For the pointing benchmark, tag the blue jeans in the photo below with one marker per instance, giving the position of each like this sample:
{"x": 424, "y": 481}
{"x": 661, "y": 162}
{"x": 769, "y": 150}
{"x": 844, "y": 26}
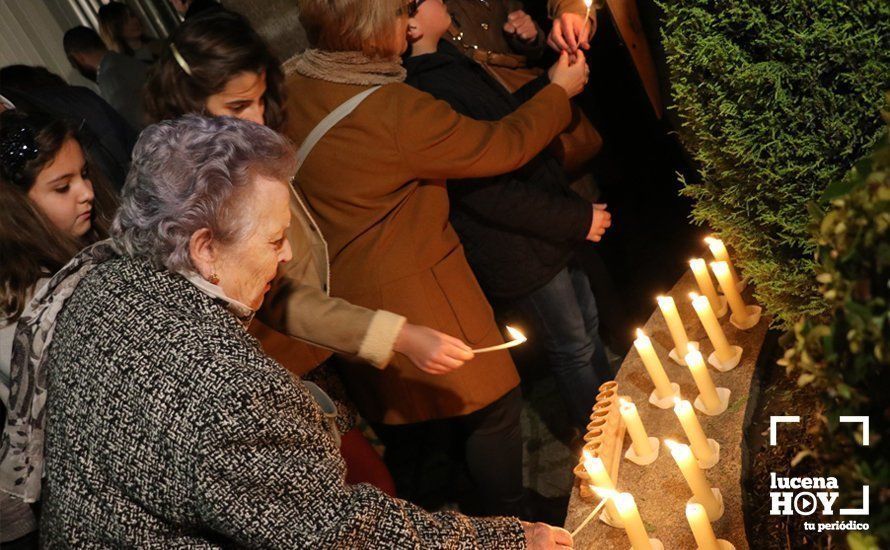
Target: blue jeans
{"x": 564, "y": 315}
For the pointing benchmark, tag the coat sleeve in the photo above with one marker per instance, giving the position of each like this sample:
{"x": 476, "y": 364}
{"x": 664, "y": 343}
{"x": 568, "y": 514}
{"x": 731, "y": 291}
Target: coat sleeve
{"x": 269, "y": 476}
{"x": 309, "y": 314}
{"x": 555, "y": 8}
{"x": 436, "y": 142}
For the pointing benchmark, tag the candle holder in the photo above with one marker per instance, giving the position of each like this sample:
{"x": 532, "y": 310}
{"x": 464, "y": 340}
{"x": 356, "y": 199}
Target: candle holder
{"x": 719, "y": 496}
{"x": 754, "y": 313}
{"x": 665, "y": 402}
{"x": 741, "y": 284}
{"x": 726, "y": 366}
{"x": 723, "y": 394}
{"x": 715, "y": 458}
{"x": 678, "y": 358}
{"x": 645, "y": 460}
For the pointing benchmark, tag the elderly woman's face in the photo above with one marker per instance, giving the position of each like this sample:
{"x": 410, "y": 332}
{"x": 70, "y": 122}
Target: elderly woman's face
{"x": 246, "y": 268}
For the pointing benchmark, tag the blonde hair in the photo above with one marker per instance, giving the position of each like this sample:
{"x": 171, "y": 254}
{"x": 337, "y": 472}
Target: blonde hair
{"x": 353, "y": 25}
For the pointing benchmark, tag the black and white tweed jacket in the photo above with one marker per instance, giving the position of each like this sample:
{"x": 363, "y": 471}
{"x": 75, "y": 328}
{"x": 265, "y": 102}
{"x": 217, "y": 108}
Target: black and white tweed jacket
{"x": 168, "y": 427}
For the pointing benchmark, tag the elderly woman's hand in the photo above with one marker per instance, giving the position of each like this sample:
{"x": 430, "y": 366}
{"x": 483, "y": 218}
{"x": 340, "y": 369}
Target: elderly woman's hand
{"x": 431, "y": 351}
{"x": 540, "y": 536}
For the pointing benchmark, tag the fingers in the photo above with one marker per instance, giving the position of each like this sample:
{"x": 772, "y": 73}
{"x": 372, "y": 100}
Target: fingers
{"x": 557, "y": 40}
{"x": 570, "y": 37}
{"x": 562, "y": 537}
{"x": 600, "y": 205}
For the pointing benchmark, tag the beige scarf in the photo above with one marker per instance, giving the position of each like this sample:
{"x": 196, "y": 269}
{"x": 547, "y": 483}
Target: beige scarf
{"x": 347, "y": 67}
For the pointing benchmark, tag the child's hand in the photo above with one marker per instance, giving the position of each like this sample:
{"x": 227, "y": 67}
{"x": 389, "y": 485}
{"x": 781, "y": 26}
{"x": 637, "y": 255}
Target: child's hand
{"x": 570, "y": 74}
{"x": 522, "y": 25}
{"x": 432, "y": 351}
{"x": 601, "y": 221}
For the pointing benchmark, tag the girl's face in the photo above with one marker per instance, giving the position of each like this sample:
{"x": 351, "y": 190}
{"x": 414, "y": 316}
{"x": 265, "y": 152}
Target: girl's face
{"x": 241, "y": 98}
{"x": 132, "y": 28}
{"x": 63, "y": 191}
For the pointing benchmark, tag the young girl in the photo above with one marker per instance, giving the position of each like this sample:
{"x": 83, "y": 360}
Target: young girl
{"x": 52, "y": 205}
{"x": 122, "y": 32}
{"x": 217, "y": 65}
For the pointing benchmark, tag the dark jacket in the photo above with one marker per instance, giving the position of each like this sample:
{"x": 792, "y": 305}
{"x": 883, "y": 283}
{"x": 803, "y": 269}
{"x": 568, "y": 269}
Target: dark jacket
{"x": 168, "y": 427}
{"x": 518, "y": 229}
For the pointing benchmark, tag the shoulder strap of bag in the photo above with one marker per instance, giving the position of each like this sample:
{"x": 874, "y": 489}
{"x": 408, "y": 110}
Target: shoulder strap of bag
{"x": 328, "y": 122}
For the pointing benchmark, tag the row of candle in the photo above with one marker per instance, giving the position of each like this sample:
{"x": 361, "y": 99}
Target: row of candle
{"x": 704, "y": 507}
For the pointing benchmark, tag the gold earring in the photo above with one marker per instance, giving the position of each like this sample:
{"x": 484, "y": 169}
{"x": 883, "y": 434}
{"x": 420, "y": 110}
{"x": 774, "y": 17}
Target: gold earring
{"x": 214, "y": 279}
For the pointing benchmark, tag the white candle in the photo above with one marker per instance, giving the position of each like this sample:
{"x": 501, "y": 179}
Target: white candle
{"x": 705, "y": 284}
{"x": 694, "y": 476}
{"x": 633, "y": 523}
{"x": 701, "y": 527}
{"x": 638, "y": 436}
{"x": 518, "y": 338}
{"x": 712, "y": 326}
{"x": 706, "y": 389}
{"x": 718, "y": 249}
{"x": 697, "y": 438}
{"x": 600, "y": 477}
{"x": 675, "y": 325}
{"x": 653, "y": 365}
{"x": 724, "y": 277}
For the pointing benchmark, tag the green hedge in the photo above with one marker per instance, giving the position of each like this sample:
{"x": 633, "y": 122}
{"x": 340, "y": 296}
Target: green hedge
{"x": 777, "y": 100}
{"x": 847, "y": 357}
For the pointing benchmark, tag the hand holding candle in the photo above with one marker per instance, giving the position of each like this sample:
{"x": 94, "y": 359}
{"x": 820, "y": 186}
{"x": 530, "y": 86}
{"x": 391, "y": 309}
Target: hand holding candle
{"x": 518, "y": 338}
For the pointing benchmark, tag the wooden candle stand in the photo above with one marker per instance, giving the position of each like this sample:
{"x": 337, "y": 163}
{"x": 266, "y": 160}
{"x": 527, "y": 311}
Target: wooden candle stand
{"x": 604, "y": 439}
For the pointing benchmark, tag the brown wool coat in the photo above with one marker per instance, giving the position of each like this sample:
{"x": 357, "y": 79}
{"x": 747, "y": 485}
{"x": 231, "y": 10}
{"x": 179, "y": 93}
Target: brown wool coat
{"x": 391, "y": 246}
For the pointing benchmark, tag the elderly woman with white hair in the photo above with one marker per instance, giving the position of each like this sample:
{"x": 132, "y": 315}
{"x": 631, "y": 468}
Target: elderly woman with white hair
{"x": 166, "y": 425}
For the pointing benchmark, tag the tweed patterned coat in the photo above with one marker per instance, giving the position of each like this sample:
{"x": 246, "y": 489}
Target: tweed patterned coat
{"x": 168, "y": 427}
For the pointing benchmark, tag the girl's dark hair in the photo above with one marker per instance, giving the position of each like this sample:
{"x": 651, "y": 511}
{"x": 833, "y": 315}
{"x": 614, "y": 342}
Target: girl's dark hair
{"x": 112, "y": 18}
{"x": 215, "y": 47}
{"x": 30, "y": 245}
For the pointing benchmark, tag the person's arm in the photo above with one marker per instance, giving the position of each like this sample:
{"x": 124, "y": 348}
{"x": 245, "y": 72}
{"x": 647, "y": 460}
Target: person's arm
{"x": 436, "y": 142}
{"x": 267, "y": 475}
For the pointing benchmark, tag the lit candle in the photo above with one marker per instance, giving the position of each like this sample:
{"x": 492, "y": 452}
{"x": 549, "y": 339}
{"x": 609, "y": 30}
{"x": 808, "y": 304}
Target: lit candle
{"x": 706, "y": 389}
{"x": 705, "y": 284}
{"x": 718, "y": 249}
{"x": 638, "y": 435}
{"x": 675, "y": 325}
{"x": 700, "y": 446}
{"x": 633, "y": 523}
{"x": 587, "y": 4}
{"x": 600, "y": 477}
{"x": 701, "y": 527}
{"x": 518, "y": 338}
{"x": 724, "y": 277}
{"x": 653, "y": 365}
{"x": 715, "y": 333}
{"x": 695, "y": 478}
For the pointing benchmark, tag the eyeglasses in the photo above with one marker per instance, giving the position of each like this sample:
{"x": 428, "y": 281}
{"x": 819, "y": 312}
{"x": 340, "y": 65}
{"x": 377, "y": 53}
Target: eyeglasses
{"x": 410, "y": 8}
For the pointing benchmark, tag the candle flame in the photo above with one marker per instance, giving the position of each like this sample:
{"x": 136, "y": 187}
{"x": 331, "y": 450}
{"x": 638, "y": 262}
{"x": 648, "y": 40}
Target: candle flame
{"x": 693, "y": 295}
{"x": 624, "y": 402}
{"x": 516, "y": 335}
{"x": 624, "y": 501}
{"x": 673, "y": 445}
{"x": 641, "y": 334}
{"x": 694, "y": 508}
{"x": 677, "y": 400}
{"x": 690, "y": 347}
{"x": 697, "y": 263}
{"x": 710, "y": 239}
{"x": 588, "y": 3}
{"x": 604, "y": 492}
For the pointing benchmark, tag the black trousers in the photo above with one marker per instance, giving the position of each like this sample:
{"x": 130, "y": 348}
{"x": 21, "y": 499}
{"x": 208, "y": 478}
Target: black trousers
{"x": 491, "y": 439}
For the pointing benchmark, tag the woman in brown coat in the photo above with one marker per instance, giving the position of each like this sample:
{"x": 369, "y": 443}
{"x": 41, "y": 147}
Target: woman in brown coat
{"x": 374, "y": 182}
